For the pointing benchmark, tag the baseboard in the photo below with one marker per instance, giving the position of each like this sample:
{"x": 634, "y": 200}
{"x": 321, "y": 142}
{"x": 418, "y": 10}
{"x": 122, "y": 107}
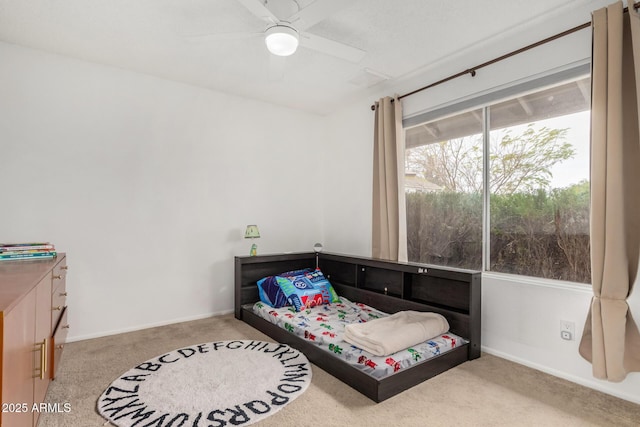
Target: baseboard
{"x": 556, "y": 373}
{"x": 147, "y": 326}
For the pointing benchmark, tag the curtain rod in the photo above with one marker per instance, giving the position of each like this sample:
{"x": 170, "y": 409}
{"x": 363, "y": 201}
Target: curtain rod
{"x": 472, "y": 70}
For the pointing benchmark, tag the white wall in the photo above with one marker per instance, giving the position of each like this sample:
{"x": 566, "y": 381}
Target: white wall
{"x": 348, "y": 156}
{"x": 520, "y": 317}
{"x": 521, "y": 322}
{"x": 148, "y": 185}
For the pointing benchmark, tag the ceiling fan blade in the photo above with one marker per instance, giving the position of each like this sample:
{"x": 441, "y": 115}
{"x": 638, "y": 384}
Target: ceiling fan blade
{"x": 339, "y": 50}
{"x": 277, "y": 65}
{"x": 258, "y": 8}
{"x": 223, "y": 36}
{"x": 317, "y": 11}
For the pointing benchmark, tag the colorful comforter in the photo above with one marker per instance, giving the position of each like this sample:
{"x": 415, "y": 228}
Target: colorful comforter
{"x": 324, "y": 325}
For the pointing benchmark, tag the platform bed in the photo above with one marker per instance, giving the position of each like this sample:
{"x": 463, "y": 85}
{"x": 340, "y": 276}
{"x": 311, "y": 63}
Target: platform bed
{"x": 387, "y": 286}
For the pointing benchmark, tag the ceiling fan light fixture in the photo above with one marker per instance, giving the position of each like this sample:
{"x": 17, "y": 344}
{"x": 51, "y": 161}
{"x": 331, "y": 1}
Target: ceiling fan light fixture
{"x": 281, "y": 40}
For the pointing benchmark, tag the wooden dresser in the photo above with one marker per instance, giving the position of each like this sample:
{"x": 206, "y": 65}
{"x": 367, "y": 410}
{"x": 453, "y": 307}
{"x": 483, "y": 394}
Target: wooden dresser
{"x": 33, "y": 329}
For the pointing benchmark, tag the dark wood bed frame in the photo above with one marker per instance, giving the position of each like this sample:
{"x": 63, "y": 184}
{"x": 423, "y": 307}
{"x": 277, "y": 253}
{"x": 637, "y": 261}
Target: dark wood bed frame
{"x": 386, "y": 285}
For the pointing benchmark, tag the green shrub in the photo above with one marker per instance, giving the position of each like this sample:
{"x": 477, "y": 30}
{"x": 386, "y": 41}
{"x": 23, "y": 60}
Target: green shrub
{"x": 540, "y": 233}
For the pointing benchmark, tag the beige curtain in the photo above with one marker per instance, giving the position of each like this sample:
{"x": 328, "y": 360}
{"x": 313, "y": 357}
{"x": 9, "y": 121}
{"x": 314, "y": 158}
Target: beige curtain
{"x": 389, "y": 235}
{"x": 611, "y": 341}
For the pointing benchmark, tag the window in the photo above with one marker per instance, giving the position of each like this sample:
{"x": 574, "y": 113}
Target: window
{"x": 443, "y": 182}
{"x": 504, "y": 187}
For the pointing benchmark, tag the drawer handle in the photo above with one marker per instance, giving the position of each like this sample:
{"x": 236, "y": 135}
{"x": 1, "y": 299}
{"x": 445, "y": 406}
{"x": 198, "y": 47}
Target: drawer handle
{"x": 58, "y": 277}
{"x": 58, "y": 308}
{"x": 64, "y": 267}
{"x": 60, "y": 346}
{"x": 65, "y": 327}
{"x": 43, "y": 359}
{"x": 63, "y": 294}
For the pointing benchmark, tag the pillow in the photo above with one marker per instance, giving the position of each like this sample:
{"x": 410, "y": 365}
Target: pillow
{"x": 305, "y": 289}
{"x": 299, "y": 288}
{"x": 270, "y": 291}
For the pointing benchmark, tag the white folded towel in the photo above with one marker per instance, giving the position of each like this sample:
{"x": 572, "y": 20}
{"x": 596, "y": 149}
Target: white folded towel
{"x": 401, "y": 330}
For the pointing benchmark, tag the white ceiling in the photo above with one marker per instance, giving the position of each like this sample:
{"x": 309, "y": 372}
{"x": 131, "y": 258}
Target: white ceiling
{"x": 153, "y": 37}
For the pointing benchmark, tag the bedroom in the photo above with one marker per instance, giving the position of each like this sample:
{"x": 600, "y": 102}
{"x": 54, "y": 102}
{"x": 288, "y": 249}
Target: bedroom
{"x": 147, "y": 183}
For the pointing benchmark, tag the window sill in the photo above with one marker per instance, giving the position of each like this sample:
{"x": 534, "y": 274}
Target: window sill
{"x": 538, "y": 281}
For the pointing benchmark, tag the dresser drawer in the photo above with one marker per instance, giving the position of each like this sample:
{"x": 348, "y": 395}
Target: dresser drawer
{"x": 58, "y": 342}
{"x": 58, "y": 303}
{"x": 58, "y": 291}
{"x": 60, "y": 272}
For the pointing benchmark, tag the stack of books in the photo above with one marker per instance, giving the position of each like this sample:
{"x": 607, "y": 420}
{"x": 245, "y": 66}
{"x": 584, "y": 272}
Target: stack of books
{"x": 17, "y": 251}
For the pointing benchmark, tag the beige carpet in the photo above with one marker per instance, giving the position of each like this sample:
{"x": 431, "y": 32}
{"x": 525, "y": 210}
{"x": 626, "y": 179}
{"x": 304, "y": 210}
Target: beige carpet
{"x": 485, "y": 392}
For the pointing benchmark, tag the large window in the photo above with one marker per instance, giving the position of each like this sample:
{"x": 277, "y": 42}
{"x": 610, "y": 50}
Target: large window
{"x": 504, "y": 187}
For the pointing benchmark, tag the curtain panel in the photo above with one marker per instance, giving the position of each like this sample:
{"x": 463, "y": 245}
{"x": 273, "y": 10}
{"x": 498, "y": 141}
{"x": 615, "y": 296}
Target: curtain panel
{"x": 389, "y": 235}
{"x": 611, "y": 341}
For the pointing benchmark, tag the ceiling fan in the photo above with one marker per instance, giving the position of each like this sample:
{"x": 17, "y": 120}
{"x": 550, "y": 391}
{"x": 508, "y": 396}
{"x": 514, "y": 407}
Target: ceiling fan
{"x": 283, "y": 35}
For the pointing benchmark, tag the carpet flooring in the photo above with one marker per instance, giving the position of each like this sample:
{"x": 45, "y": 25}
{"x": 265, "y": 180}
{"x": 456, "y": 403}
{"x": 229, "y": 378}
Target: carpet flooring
{"x": 488, "y": 391}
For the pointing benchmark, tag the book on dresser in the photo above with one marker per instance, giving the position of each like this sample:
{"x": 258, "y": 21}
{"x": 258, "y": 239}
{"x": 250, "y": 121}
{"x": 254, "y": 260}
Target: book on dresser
{"x": 25, "y": 251}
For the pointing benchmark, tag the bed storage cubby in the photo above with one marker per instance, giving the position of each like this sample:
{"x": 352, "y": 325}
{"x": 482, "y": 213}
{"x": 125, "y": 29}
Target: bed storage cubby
{"x": 339, "y": 272}
{"x": 441, "y": 288}
{"x": 380, "y": 280}
{"x": 385, "y": 285}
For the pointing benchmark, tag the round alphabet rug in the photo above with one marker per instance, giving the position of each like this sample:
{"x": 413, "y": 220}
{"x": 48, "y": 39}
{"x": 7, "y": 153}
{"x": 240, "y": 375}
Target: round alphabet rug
{"x": 213, "y": 384}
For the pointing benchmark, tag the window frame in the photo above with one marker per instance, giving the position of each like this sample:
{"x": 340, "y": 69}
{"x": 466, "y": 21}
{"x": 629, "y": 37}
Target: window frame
{"x": 483, "y": 102}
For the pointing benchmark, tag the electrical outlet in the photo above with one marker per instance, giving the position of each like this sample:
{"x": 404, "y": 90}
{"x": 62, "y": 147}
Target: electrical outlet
{"x": 567, "y": 330}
